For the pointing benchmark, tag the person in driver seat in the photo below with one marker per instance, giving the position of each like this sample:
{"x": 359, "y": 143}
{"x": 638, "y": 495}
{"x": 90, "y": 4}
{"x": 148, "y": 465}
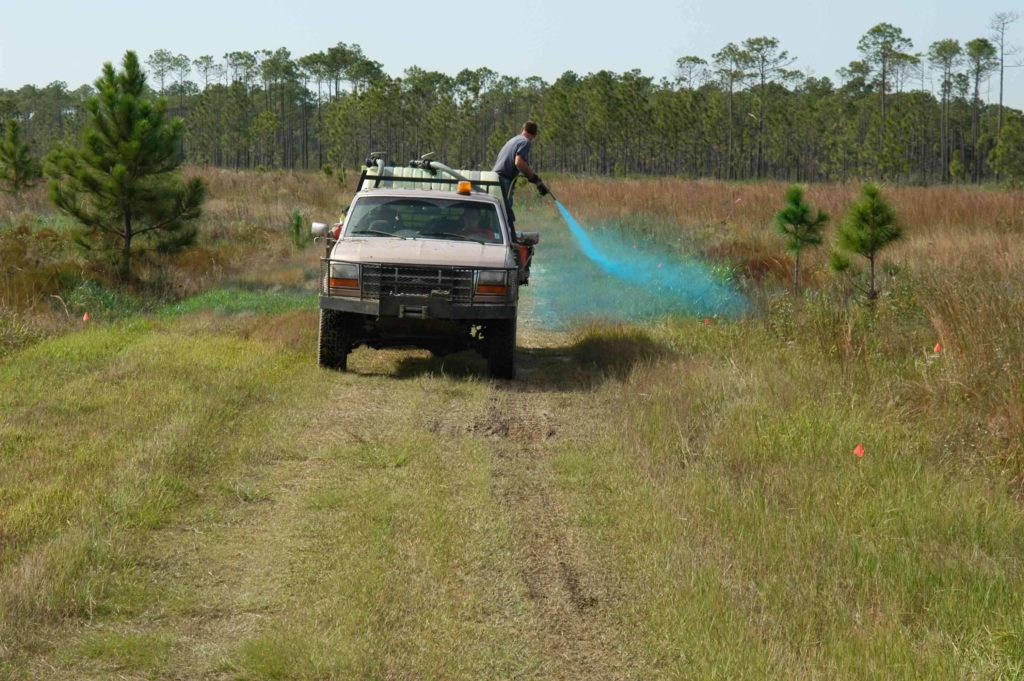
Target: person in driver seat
{"x": 472, "y": 226}
{"x": 383, "y": 219}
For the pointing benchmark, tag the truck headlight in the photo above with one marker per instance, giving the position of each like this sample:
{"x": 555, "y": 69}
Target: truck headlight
{"x": 491, "y": 283}
{"x": 343, "y": 275}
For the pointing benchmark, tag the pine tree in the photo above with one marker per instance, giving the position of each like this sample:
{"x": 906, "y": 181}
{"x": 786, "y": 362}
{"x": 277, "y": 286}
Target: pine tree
{"x": 869, "y": 227}
{"x": 800, "y": 225}
{"x": 18, "y": 170}
{"x": 982, "y": 59}
{"x": 122, "y": 184}
{"x": 945, "y": 55}
{"x": 1007, "y": 158}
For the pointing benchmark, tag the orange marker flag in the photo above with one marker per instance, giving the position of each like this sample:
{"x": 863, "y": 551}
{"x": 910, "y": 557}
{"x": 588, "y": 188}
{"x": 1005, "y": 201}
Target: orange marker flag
{"x": 859, "y": 449}
{"x": 938, "y": 348}
{"x": 85, "y": 317}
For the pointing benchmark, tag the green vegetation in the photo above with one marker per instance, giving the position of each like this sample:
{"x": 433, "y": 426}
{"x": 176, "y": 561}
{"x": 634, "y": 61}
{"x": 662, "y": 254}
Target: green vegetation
{"x": 230, "y": 300}
{"x": 298, "y": 230}
{"x": 869, "y": 227}
{"x": 800, "y": 227}
{"x": 18, "y": 169}
{"x": 121, "y": 183}
{"x": 1008, "y": 155}
{"x": 747, "y": 111}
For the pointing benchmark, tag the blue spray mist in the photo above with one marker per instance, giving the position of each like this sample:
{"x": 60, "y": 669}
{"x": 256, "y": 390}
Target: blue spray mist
{"x": 651, "y": 283}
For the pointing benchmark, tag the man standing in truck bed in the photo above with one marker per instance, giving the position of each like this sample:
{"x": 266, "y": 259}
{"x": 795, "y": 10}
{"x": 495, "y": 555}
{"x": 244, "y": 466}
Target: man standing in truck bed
{"x": 514, "y": 158}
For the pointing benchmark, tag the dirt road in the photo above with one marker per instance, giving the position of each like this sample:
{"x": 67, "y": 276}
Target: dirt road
{"x": 404, "y": 520}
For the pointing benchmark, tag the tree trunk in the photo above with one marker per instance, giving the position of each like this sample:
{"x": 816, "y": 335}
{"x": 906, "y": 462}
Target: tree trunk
{"x": 872, "y": 291}
{"x": 124, "y": 268}
{"x": 975, "y": 129}
{"x": 796, "y": 275}
{"x": 728, "y": 159}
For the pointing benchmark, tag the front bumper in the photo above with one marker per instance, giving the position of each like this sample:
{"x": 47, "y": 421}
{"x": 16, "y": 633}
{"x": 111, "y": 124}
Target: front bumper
{"x": 411, "y": 291}
{"x": 417, "y": 307}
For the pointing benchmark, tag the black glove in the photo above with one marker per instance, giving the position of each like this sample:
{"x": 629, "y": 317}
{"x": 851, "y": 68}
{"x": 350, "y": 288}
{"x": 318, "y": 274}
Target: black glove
{"x": 542, "y": 188}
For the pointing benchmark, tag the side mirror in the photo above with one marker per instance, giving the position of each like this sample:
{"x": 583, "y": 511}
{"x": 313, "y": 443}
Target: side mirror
{"x": 319, "y": 229}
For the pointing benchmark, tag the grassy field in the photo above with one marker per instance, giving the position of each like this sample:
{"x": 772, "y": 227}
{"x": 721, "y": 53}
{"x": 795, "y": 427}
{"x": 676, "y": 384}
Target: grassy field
{"x": 183, "y": 494}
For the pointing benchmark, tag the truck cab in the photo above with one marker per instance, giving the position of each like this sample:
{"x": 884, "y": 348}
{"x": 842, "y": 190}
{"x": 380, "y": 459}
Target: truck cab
{"x": 423, "y": 258}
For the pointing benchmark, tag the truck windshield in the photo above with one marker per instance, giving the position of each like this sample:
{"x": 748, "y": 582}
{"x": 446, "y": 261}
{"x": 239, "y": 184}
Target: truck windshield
{"x": 424, "y": 218}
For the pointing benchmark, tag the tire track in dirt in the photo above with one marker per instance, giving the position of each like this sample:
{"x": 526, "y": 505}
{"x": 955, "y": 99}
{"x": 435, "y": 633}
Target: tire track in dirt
{"x": 524, "y": 423}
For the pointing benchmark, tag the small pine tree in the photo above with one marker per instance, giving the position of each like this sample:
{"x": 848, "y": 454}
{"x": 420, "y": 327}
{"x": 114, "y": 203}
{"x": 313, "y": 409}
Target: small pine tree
{"x": 297, "y": 232}
{"x": 122, "y": 184}
{"x": 800, "y": 225}
{"x": 869, "y": 227}
{"x": 18, "y": 170}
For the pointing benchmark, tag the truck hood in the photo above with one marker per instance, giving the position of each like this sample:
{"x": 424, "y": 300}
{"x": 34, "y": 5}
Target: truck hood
{"x": 421, "y": 252}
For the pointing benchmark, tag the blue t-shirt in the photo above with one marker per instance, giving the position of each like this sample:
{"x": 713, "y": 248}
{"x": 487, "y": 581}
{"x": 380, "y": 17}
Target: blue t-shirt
{"x": 506, "y": 163}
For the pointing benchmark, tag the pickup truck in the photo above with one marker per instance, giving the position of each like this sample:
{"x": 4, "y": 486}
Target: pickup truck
{"x": 423, "y": 258}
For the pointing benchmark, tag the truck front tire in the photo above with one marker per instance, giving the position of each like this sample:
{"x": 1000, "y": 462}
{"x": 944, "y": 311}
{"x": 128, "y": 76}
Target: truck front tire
{"x": 501, "y": 348}
{"x": 335, "y": 340}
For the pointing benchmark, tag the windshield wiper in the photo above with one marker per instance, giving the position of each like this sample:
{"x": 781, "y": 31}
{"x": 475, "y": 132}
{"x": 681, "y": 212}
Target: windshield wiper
{"x": 378, "y": 233}
{"x": 453, "y": 236}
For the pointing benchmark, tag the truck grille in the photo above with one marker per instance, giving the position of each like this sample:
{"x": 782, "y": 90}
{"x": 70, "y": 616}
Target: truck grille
{"x": 403, "y": 280}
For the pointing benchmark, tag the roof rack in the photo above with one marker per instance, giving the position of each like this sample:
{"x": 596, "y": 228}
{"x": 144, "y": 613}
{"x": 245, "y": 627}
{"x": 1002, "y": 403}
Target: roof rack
{"x": 430, "y": 170}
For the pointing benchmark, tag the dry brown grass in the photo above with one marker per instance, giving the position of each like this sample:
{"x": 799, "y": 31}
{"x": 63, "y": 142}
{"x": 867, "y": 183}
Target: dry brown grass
{"x": 33, "y": 201}
{"x": 944, "y": 225}
{"x": 699, "y": 202}
{"x": 269, "y": 198}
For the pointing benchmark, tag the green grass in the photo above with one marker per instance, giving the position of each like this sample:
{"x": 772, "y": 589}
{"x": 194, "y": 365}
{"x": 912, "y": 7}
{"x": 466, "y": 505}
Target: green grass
{"x": 235, "y": 301}
{"x": 753, "y": 542}
{"x": 396, "y": 588}
{"x": 107, "y": 442}
{"x": 373, "y": 551}
{"x": 103, "y": 303}
{"x": 187, "y": 497}
{"x": 125, "y": 651}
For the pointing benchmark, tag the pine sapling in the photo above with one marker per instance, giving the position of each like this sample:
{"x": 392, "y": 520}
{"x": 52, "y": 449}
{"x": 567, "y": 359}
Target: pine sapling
{"x": 18, "y": 170}
{"x": 800, "y": 225}
{"x": 870, "y": 226}
{"x": 297, "y": 232}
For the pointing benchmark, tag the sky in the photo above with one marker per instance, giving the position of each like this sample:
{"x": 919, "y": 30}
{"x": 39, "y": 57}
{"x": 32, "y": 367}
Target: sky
{"x": 41, "y": 42}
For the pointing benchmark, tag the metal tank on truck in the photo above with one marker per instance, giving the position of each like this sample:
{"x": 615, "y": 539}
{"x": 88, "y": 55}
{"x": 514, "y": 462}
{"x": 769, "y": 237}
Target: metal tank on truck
{"x": 423, "y": 258}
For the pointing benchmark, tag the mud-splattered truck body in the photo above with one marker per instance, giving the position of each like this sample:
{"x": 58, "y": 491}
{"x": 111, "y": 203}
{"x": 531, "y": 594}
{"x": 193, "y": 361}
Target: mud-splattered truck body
{"x": 423, "y": 258}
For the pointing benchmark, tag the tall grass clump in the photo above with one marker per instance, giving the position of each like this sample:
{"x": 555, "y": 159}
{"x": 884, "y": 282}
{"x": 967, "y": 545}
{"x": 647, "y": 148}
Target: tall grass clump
{"x": 977, "y": 313}
{"x": 35, "y": 263}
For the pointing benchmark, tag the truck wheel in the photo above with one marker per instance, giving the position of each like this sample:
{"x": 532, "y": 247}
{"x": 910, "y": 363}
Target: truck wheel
{"x": 501, "y": 348}
{"x": 334, "y": 343}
